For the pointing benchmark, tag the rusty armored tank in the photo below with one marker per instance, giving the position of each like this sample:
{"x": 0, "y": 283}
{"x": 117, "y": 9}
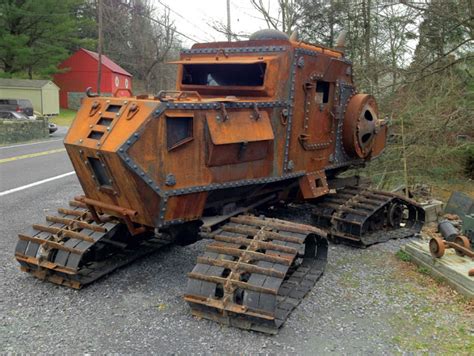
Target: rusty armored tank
{"x": 251, "y": 124}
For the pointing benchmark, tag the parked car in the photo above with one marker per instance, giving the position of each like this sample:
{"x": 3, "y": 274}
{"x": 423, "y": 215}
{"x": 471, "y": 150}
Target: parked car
{"x": 13, "y": 115}
{"x": 19, "y": 105}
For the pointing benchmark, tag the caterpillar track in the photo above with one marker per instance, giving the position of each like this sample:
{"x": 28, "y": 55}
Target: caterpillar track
{"x": 362, "y": 216}
{"x": 256, "y": 271}
{"x": 73, "y": 249}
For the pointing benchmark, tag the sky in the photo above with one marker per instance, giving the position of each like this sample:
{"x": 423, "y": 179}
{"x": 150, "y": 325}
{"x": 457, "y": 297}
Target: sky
{"x": 192, "y": 18}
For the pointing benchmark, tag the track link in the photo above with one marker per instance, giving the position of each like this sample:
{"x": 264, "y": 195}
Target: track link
{"x": 256, "y": 271}
{"x": 362, "y": 217}
{"x": 73, "y": 250}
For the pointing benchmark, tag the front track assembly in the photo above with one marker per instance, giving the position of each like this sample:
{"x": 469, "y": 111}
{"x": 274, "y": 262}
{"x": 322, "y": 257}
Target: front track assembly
{"x": 362, "y": 216}
{"x": 73, "y": 249}
{"x": 256, "y": 271}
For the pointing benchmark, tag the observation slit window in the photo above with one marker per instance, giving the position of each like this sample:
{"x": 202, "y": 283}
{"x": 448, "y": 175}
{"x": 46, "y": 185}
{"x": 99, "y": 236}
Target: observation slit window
{"x": 224, "y": 74}
{"x": 113, "y": 108}
{"x": 100, "y": 172}
{"x": 322, "y": 88}
{"x": 179, "y": 130}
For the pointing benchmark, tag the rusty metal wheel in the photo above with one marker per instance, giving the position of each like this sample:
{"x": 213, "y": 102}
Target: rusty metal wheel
{"x": 462, "y": 241}
{"x": 395, "y": 214}
{"x": 437, "y": 247}
{"x": 360, "y": 125}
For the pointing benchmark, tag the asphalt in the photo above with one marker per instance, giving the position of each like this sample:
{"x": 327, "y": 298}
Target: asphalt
{"x": 364, "y": 304}
{"x": 31, "y": 162}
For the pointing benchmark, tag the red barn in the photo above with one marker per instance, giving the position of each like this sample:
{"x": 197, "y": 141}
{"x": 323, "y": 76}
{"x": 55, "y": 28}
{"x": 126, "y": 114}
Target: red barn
{"x": 81, "y": 73}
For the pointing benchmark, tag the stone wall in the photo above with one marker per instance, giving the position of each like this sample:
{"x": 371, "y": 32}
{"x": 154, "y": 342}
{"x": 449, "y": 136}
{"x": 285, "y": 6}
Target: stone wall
{"x": 74, "y": 99}
{"x": 12, "y": 131}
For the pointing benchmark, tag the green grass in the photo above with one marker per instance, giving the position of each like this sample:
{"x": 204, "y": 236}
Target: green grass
{"x": 423, "y": 270}
{"x": 64, "y": 118}
{"x": 403, "y": 256}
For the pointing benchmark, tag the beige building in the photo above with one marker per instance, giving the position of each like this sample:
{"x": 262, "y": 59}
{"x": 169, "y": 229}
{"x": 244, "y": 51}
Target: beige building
{"x": 43, "y": 94}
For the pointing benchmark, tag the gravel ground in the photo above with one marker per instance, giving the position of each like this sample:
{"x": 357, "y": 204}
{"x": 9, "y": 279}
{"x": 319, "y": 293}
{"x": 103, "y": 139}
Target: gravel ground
{"x": 367, "y": 302}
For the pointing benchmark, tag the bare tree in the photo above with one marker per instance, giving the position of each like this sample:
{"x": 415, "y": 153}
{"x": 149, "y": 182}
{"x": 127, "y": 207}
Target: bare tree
{"x": 289, "y": 13}
{"x": 140, "y": 39}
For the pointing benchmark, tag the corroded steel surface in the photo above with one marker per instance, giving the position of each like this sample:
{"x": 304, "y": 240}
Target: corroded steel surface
{"x": 253, "y": 121}
{"x": 245, "y": 117}
{"x": 75, "y": 249}
{"x": 461, "y": 245}
{"x": 361, "y": 216}
{"x": 256, "y": 272}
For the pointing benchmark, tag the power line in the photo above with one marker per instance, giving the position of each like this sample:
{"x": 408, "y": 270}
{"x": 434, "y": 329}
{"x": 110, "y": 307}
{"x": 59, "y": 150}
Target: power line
{"x": 188, "y": 21}
{"x": 162, "y": 24}
{"x": 278, "y": 21}
{"x": 30, "y": 14}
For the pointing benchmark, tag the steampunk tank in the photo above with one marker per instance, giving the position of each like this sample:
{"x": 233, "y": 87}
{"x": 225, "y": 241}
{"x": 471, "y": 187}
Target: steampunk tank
{"x": 250, "y": 125}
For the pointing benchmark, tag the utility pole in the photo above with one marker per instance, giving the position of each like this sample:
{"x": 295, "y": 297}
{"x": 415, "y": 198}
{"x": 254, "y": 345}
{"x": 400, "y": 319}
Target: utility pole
{"x": 229, "y": 32}
{"x": 99, "y": 46}
{"x": 405, "y": 170}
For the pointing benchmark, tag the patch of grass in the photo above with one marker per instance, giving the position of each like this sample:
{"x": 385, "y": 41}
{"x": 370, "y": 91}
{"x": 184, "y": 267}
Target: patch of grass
{"x": 403, "y": 256}
{"x": 427, "y": 329}
{"x": 438, "y": 320}
{"x": 423, "y": 269}
{"x": 65, "y": 117}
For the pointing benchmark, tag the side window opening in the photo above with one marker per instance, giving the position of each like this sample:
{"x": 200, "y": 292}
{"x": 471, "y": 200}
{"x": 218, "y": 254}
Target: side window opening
{"x": 322, "y": 89}
{"x": 179, "y": 130}
{"x": 224, "y": 74}
{"x": 95, "y": 135}
{"x": 100, "y": 173}
{"x": 113, "y": 108}
{"x": 104, "y": 121}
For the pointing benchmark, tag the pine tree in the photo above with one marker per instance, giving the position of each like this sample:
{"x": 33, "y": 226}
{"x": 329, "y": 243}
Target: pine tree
{"x": 36, "y": 35}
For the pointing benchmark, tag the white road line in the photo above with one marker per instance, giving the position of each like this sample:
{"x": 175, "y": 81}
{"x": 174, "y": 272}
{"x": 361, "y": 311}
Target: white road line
{"x": 30, "y": 144}
{"x": 9, "y": 191}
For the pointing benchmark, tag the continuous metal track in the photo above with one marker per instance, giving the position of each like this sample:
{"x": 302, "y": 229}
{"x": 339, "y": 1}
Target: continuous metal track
{"x": 256, "y": 271}
{"x": 362, "y": 216}
{"x": 72, "y": 249}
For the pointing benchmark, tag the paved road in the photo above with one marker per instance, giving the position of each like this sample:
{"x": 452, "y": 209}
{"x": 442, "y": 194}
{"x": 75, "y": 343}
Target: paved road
{"x": 364, "y": 304}
{"x": 28, "y": 163}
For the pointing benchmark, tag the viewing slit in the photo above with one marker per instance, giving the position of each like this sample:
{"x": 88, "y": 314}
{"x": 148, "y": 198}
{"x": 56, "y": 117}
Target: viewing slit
{"x": 323, "y": 88}
{"x": 113, "y": 108}
{"x": 95, "y": 135}
{"x": 105, "y": 121}
{"x": 179, "y": 130}
{"x": 224, "y": 74}
{"x": 100, "y": 173}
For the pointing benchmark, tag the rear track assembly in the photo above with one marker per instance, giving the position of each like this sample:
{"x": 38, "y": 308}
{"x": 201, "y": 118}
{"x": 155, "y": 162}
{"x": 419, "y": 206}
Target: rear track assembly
{"x": 256, "y": 271}
{"x": 362, "y": 217}
{"x": 72, "y": 249}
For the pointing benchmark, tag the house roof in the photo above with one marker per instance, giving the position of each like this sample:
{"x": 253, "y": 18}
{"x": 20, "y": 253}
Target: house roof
{"x": 24, "y": 83}
{"x": 107, "y": 62}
